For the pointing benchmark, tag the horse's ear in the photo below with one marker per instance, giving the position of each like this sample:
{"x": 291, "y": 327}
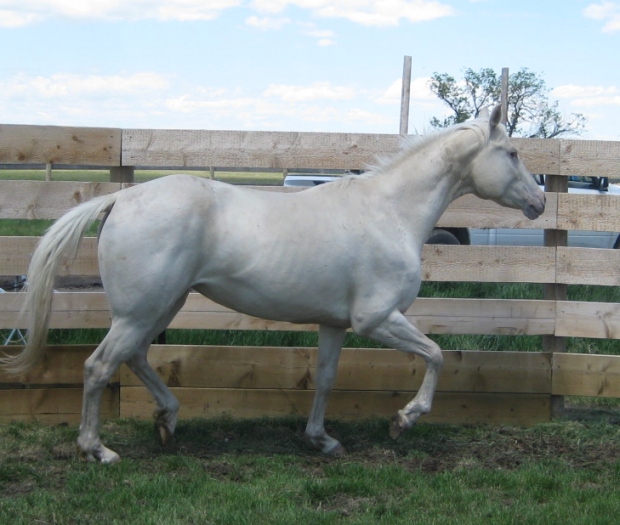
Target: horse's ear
{"x": 496, "y": 117}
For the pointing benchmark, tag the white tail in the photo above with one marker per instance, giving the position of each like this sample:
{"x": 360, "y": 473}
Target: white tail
{"x": 61, "y": 241}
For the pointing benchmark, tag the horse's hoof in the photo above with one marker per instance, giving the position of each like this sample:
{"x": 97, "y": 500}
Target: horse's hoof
{"x": 164, "y": 436}
{"x": 337, "y": 451}
{"x": 397, "y": 427}
{"x": 103, "y": 455}
{"x": 164, "y": 427}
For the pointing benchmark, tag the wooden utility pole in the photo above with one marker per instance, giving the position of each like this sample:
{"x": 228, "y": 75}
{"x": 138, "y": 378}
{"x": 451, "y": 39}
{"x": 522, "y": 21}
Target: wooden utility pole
{"x": 504, "y": 95}
{"x": 405, "y": 96}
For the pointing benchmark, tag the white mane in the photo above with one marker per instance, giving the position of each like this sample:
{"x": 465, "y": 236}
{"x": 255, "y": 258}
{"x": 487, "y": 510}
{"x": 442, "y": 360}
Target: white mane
{"x": 411, "y": 145}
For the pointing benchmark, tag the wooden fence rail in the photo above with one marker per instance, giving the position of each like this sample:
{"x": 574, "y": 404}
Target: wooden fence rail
{"x": 510, "y": 387}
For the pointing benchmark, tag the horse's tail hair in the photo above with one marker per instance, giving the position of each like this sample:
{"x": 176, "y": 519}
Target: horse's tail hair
{"x": 60, "y": 243}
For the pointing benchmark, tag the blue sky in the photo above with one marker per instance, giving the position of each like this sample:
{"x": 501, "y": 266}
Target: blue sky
{"x": 292, "y": 65}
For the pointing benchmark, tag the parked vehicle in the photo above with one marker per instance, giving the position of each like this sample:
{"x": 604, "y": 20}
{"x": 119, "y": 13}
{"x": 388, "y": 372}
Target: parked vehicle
{"x": 507, "y": 236}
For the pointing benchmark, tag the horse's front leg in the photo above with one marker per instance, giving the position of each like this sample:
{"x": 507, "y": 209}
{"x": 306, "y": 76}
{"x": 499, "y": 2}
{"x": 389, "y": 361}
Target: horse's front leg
{"x": 397, "y": 332}
{"x": 330, "y": 345}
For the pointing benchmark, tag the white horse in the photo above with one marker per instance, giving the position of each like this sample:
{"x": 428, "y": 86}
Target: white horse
{"x": 342, "y": 255}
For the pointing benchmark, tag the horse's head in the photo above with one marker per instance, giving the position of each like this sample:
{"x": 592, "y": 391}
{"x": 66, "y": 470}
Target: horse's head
{"x": 497, "y": 172}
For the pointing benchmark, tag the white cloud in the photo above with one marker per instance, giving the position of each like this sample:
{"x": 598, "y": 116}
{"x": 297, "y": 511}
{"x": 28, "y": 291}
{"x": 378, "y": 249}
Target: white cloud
{"x": 365, "y": 12}
{"x": 17, "y": 13}
{"x": 10, "y": 18}
{"x": 588, "y": 96}
{"x": 316, "y": 91}
{"x": 82, "y": 100}
{"x": 392, "y": 94}
{"x": 607, "y": 11}
{"x": 14, "y": 13}
{"x": 66, "y": 85}
{"x": 149, "y": 100}
{"x": 419, "y": 91}
{"x": 267, "y": 23}
{"x": 370, "y": 117}
{"x": 325, "y": 37}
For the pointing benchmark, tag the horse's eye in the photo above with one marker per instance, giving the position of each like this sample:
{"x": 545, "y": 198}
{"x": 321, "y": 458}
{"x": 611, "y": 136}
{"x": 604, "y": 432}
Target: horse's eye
{"x": 514, "y": 155}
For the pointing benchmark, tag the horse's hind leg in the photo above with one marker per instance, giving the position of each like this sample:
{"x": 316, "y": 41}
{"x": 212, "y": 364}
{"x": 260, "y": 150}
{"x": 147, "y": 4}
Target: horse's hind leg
{"x": 117, "y": 347}
{"x": 330, "y": 345}
{"x": 128, "y": 342}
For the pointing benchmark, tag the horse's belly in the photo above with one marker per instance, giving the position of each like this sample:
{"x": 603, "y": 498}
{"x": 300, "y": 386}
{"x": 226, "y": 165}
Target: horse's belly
{"x": 290, "y": 303}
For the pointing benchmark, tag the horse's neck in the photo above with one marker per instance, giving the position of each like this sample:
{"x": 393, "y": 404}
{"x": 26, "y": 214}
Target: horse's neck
{"x": 425, "y": 184}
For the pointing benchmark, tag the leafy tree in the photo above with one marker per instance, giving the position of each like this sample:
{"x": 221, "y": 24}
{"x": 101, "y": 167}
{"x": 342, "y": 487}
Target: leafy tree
{"x": 530, "y": 113}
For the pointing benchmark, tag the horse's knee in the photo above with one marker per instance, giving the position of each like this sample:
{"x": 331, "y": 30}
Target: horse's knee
{"x": 96, "y": 373}
{"x": 434, "y": 356}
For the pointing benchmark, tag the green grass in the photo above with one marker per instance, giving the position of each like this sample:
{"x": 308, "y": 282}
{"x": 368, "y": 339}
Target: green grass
{"x": 251, "y": 472}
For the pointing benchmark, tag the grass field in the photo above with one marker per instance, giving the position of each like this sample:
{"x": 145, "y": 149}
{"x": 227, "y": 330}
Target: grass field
{"x": 254, "y": 472}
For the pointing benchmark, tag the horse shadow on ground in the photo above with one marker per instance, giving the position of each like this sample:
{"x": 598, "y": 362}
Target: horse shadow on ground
{"x": 579, "y": 438}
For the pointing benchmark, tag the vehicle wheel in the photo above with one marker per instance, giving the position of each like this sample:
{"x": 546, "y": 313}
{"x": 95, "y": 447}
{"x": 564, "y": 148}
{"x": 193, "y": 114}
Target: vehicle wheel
{"x": 440, "y": 236}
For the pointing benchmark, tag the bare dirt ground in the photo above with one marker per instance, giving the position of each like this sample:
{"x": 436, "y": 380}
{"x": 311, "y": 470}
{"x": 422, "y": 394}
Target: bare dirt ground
{"x": 10, "y": 283}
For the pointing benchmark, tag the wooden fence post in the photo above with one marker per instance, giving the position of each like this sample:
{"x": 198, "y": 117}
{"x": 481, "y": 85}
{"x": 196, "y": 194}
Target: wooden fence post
{"x": 122, "y": 174}
{"x": 556, "y": 291}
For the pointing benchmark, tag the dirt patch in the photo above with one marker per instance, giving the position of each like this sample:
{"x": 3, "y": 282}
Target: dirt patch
{"x": 12, "y": 283}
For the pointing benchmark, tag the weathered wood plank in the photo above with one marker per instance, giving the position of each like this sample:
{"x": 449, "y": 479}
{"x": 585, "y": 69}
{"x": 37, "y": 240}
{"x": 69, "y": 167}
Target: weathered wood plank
{"x": 470, "y": 211}
{"x": 595, "y": 158}
{"x": 359, "y": 369}
{"x": 47, "y": 200}
{"x": 483, "y": 316}
{"x": 488, "y": 263}
{"x": 588, "y": 212}
{"x": 261, "y": 149}
{"x": 588, "y": 266}
{"x": 518, "y": 409}
{"x": 294, "y": 368}
{"x": 202, "y": 148}
{"x": 61, "y": 365}
{"x": 52, "y": 405}
{"x": 59, "y": 145}
{"x": 588, "y": 319}
{"x": 15, "y": 254}
{"x": 586, "y": 375}
{"x": 539, "y": 155}
{"x": 431, "y": 315}
{"x": 254, "y": 149}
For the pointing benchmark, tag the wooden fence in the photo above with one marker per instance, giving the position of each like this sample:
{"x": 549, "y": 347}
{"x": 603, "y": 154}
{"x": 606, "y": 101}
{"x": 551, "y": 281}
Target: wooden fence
{"x": 475, "y": 386}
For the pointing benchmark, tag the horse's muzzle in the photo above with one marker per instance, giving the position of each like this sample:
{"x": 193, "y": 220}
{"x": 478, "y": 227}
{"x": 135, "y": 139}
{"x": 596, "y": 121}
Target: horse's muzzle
{"x": 535, "y": 207}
